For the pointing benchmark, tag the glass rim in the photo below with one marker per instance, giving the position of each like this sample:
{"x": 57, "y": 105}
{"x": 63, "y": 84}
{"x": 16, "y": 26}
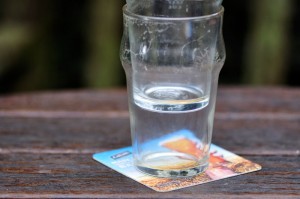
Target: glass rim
{"x": 145, "y": 17}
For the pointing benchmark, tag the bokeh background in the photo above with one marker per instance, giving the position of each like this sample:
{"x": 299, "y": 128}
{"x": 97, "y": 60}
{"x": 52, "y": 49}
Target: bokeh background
{"x": 56, "y": 44}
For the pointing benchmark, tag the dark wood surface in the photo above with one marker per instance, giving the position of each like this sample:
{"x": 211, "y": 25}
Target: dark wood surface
{"x": 47, "y": 140}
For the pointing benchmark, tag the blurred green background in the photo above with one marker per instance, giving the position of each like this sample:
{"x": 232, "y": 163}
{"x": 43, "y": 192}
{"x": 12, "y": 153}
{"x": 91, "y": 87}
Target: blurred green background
{"x": 55, "y": 44}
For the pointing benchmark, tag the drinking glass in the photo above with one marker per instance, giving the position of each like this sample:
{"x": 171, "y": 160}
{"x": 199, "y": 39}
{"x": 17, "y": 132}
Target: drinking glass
{"x": 172, "y": 58}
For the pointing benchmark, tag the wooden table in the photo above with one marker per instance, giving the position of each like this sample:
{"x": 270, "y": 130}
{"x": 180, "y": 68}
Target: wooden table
{"x": 47, "y": 140}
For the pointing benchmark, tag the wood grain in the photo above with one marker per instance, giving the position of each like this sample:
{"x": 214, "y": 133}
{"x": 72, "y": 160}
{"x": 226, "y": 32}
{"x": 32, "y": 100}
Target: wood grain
{"x": 230, "y": 99}
{"x": 78, "y": 174}
{"x": 88, "y": 135}
{"x": 47, "y": 139}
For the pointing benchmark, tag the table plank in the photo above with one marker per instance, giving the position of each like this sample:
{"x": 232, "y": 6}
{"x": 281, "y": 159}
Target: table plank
{"x": 230, "y": 99}
{"x": 259, "y": 99}
{"x": 75, "y": 175}
{"x": 85, "y": 100}
{"x": 88, "y": 135}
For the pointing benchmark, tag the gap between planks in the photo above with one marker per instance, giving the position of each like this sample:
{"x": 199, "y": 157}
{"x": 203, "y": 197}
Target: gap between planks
{"x": 251, "y": 152}
{"x": 153, "y": 194}
{"x": 125, "y": 114}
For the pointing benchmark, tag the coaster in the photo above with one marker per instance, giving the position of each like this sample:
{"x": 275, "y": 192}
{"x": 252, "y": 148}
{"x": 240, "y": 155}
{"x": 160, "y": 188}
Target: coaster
{"x": 222, "y": 164}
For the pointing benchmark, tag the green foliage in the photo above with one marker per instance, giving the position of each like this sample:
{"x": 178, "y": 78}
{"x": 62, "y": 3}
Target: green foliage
{"x": 104, "y": 31}
{"x": 267, "y": 43}
{"x": 54, "y": 44}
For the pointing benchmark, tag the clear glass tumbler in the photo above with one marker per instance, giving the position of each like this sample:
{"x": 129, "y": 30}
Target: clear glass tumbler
{"x": 172, "y": 62}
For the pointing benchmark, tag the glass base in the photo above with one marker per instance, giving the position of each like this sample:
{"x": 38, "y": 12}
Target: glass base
{"x": 171, "y": 165}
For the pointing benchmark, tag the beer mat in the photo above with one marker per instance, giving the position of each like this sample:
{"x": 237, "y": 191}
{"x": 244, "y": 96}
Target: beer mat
{"x": 222, "y": 163}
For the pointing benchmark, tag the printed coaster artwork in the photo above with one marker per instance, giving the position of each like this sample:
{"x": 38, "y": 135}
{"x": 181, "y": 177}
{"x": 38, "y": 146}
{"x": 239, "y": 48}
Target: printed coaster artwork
{"x": 222, "y": 163}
